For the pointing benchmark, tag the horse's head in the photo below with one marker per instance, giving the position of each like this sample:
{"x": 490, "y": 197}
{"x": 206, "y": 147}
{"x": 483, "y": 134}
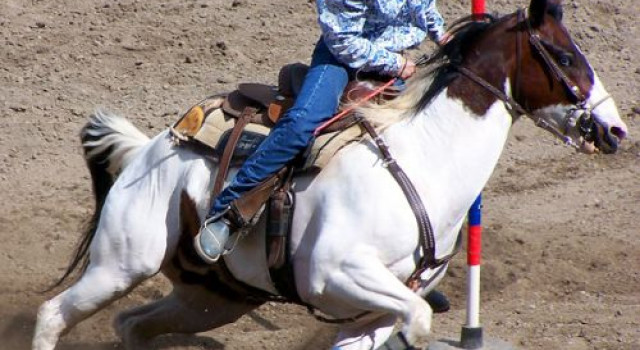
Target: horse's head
{"x": 555, "y": 83}
{"x": 532, "y": 64}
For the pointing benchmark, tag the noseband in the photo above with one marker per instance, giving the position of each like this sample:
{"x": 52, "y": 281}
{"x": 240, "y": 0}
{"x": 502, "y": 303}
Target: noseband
{"x": 581, "y": 112}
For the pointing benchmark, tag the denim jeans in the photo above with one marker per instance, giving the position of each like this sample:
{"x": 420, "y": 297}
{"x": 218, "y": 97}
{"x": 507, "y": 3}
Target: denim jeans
{"x": 316, "y": 103}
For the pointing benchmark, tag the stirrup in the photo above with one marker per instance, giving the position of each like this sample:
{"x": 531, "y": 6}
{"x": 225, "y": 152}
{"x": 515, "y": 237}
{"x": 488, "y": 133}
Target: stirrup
{"x": 211, "y": 241}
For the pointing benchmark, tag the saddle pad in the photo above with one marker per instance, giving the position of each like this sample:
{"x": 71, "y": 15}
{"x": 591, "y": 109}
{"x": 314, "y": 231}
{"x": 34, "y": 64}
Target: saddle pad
{"x": 327, "y": 145}
{"x": 214, "y": 131}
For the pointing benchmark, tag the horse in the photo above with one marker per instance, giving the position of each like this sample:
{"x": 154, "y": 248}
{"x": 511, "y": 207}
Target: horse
{"x": 354, "y": 238}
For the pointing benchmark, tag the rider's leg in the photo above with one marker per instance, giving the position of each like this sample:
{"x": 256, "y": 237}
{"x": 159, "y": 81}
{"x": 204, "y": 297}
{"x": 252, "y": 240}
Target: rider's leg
{"x": 317, "y": 102}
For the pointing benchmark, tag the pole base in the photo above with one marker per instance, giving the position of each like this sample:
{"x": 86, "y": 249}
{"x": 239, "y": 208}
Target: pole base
{"x": 471, "y": 338}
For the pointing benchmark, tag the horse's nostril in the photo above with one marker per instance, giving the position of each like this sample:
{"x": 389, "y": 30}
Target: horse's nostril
{"x": 618, "y": 132}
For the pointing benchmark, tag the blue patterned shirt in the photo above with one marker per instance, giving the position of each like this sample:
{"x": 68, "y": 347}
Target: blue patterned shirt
{"x": 369, "y": 34}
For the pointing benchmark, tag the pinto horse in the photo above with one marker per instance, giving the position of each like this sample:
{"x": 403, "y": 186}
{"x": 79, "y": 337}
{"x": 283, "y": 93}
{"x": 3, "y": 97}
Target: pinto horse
{"x": 354, "y": 237}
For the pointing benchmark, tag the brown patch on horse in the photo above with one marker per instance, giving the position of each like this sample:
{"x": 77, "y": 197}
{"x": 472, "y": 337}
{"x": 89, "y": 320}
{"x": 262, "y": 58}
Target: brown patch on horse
{"x": 189, "y": 219}
{"x": 540, "y": 86}
{"x": 489, "y": 56}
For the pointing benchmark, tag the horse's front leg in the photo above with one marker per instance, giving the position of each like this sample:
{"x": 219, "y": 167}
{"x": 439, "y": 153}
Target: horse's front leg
{"x": 362, "y": 281}
{"x": 368, "y": 333}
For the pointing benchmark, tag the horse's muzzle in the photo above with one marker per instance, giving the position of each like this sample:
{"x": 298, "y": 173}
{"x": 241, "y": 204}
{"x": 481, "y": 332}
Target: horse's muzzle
{"x": 606, "y": 139}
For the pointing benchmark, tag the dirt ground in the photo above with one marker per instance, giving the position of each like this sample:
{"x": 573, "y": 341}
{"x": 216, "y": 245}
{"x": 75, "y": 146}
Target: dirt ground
{"x": 561, "y": 249}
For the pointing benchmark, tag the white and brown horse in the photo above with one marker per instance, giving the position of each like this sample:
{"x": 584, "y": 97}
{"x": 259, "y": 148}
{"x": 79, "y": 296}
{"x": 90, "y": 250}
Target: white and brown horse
{"x": 354, "y": 237}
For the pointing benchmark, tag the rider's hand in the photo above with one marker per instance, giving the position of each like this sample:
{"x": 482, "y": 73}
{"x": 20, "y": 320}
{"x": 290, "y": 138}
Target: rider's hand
{"x": 446, "y": 37}
{"x": 408, "y": 68}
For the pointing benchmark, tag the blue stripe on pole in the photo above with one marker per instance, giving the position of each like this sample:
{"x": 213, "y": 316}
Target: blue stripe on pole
{"x": 475, "y": 212}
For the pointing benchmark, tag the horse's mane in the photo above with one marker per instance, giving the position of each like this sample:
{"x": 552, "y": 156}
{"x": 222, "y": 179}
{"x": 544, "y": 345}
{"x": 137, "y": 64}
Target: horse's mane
{"x": 436, "y": 75}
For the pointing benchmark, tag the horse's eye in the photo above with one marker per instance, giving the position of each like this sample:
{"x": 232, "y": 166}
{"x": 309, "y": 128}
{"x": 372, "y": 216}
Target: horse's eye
{"x": 565, "y": 61}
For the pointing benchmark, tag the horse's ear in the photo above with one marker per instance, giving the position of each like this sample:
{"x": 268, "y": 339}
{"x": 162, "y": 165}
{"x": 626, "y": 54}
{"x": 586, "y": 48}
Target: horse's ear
{"x": 555, "y": 9}
{"x": 537, "y": 10}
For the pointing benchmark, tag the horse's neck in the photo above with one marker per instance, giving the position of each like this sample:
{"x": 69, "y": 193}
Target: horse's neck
{"x": 449, "y": 153}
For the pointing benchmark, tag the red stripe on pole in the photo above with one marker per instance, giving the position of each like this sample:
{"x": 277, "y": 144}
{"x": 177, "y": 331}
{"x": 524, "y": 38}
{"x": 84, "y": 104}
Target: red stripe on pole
{"x": 474, "y": 250}
{"x": 477, "y": 8}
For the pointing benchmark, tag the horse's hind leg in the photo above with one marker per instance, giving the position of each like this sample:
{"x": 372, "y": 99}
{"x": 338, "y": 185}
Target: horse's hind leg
{"x": 188, "y": 309}
{"x": 123, "y": 253}
{"x": 98, "y": 287}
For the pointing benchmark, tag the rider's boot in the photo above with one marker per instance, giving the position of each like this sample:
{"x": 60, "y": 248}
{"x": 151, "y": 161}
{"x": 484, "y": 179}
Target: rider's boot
{"x": 213, "y": 239}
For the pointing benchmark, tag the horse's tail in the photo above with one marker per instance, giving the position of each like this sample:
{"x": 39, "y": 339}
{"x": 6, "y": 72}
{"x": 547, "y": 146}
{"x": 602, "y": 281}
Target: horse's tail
{"x": 109, "y": 143}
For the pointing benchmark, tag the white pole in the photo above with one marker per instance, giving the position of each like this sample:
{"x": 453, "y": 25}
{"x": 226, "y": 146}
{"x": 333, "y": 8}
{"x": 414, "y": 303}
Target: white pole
{"x": 473, "y": 296}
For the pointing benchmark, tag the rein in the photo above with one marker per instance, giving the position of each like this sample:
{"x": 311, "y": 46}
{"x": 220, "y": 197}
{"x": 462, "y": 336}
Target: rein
{"x": 353, "y": 106}
{"x": 512, "y": 105}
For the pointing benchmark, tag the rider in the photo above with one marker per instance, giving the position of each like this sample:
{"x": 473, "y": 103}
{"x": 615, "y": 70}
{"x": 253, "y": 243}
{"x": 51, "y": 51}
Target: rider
{"x": 357, "y": 35}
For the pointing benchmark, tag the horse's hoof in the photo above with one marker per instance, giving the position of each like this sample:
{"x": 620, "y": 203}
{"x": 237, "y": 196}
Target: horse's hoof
{"x": 438, "y": 301}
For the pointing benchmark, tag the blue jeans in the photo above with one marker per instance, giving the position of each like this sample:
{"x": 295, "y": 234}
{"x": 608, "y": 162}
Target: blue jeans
{"x": 317, "y": 102}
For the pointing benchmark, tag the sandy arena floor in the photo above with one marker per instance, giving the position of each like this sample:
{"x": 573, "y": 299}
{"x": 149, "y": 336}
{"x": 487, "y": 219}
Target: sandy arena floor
{"x": 562, "y": 255}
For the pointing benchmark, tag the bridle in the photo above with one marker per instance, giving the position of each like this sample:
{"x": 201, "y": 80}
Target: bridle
{"x": 581, "y": 112}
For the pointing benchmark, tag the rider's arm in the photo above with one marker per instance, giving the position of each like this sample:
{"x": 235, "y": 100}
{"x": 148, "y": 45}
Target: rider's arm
{"x": 343, "y": 23}
{"x": 429, "y": 18}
